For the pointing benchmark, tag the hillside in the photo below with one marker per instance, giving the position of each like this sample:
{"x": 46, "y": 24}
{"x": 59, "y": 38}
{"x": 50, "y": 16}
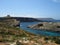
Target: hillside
{"x": 46, "y": 19}
{"x": 21, "y": 19}
{"x": 11, "y": 35}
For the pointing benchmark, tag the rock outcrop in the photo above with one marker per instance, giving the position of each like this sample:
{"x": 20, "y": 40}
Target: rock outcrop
{"x": 50, "y": 26}
{"x": 10, "y": 22}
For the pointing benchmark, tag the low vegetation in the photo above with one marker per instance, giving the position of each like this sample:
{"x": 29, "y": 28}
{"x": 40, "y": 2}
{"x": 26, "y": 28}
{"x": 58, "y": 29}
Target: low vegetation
{"x": 11, "y": 33}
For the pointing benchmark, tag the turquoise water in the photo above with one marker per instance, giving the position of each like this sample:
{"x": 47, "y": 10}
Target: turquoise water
{"x": 24, "y": 25}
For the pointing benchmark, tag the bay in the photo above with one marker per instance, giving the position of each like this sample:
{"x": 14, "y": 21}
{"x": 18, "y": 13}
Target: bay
{"x": 24, "y": 25}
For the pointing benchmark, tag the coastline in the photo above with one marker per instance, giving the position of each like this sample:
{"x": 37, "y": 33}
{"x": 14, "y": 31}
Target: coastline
{"x": 48, "y": 26}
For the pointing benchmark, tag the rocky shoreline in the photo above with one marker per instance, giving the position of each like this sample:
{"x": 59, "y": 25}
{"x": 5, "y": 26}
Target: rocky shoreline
{"x": 49, "y": 26}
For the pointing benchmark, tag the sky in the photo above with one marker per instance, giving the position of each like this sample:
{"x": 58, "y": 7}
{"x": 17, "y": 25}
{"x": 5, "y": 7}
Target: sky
{"x": 30, "y": 8}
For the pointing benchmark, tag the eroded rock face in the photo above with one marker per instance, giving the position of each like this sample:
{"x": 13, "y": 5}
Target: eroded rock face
{"x": 10, "y": 22}
{"x": 53, "y": 26}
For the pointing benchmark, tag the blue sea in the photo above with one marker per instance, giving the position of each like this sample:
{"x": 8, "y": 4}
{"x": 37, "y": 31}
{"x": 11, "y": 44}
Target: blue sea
{"x": 24, "y": 25}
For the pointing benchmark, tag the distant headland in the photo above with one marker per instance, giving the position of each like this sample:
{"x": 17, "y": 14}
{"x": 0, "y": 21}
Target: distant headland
{"x": 28, "y": 19}
{"x": 21, "y": 19}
